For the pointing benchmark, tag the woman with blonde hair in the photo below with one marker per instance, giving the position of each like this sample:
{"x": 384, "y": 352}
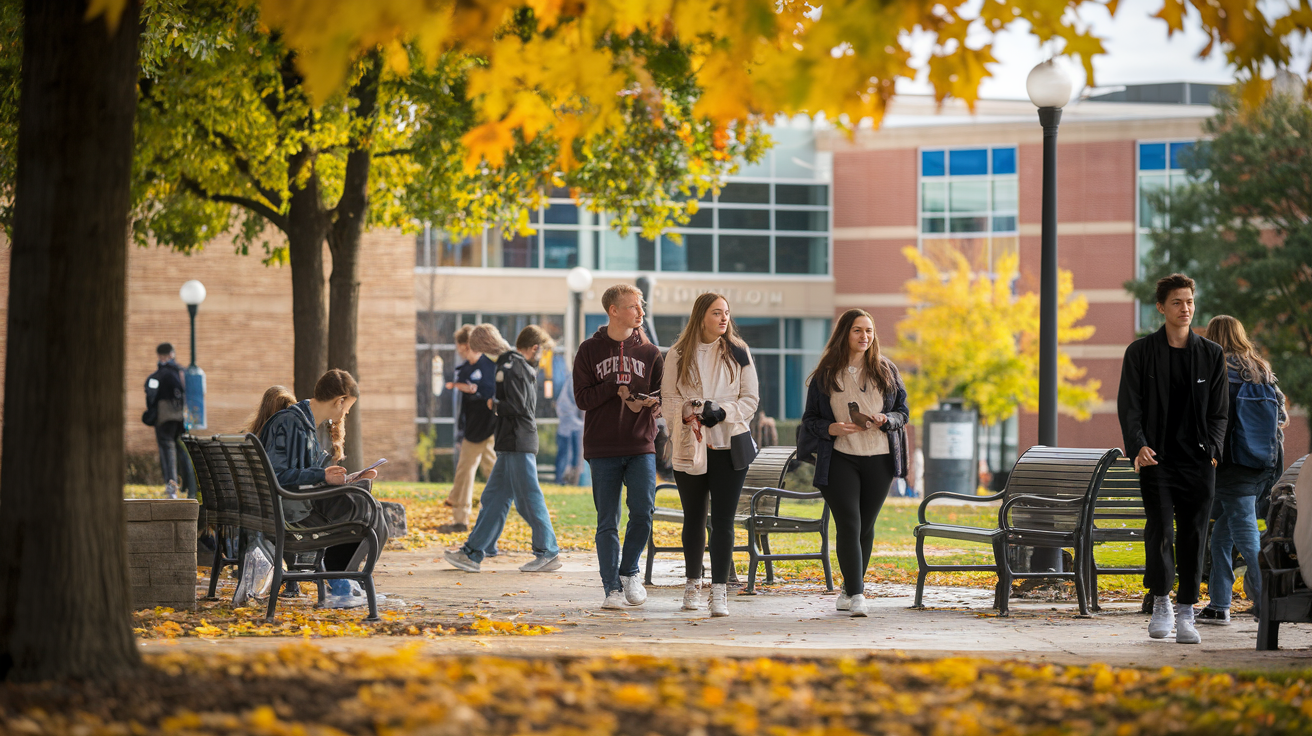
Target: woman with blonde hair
{"x": 709, "y": 399}
{"x": 1256, "y": 419}
{"x": 854, "y": 429}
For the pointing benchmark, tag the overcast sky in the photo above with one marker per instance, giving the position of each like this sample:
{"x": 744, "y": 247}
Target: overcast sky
{"x": 1137, "y": 51}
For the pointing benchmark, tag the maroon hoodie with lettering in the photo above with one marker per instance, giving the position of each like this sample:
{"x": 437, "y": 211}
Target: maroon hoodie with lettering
{"x": 602, "y": 365}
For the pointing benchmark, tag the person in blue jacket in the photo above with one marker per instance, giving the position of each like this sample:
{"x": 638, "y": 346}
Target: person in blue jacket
{"x": 854, "y": 430}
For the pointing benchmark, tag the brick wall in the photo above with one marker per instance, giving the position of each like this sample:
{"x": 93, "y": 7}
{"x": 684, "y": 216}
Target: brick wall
{"x": 161, "y": 538}
{"x": 244, "y": 337}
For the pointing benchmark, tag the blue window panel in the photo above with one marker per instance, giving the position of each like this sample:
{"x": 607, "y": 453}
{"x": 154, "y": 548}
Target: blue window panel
{"x": 1152, "y": 156}
{"x": 968, "y": 162}
{"x": 931, "y": 163}
{"x": 1004, "y": 160}
{"x": 1177, "y": 149}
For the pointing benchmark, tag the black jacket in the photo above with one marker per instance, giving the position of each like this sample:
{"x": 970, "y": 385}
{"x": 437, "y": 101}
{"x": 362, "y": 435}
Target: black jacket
{"x": 294, "y": 452}
{"x": 516, "y": 404}
{"x": 1145, "y": 390}
{"x": 815, "y": 444}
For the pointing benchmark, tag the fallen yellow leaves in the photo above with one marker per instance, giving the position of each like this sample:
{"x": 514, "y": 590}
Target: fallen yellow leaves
{"x": 217, "y": 622}
{"x": 304, "y": 689}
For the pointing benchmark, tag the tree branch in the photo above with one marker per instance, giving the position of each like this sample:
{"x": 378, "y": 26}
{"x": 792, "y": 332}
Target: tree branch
{"x": 274, "y": 217}
{"x": 241, "y": 163}
{"x": 395, "y": 152}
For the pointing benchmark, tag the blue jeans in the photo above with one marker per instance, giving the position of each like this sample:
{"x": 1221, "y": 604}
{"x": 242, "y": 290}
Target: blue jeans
{"x": 638, "y": 473}
{"x": 1235, "y": 528}
{"x": 514, "y": 479}
{"x": 569, "y": 449}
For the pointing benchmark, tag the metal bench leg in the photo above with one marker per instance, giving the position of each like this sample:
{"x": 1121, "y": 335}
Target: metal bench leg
{"x": 824, "y": 549}
{"x": 922, "y": 572}
{"x": 319, "y": 583}
{"x": 217, "y": 567}
{"x": 276, "y": 588}
{"x": 375, "y": 549}
{"x": 769, "y": 563}
{"x": 1268, "y": 629}
{"x": 1081, "y": 584}
{"x": 1003, "y": 598}
{"x": 753, "y": 560}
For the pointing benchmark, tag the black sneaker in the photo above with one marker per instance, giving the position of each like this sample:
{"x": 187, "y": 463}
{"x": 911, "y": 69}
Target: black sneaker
{"x": 1214, "y": 616}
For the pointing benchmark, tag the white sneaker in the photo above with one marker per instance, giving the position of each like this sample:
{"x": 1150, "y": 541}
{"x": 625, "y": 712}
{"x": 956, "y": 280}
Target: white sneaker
{"x": 691, "y": 591}
{"x": 614, "y": 600}
{"x": 1159, "y": 627}
{"x": 858, "y": 606}
{"x": 541, "y": 564}
{"x": 634, "y": 593}
{"x": 719, "y": 599}
{"x": 844, "y": 601}
{"x": 1185, "y": 633}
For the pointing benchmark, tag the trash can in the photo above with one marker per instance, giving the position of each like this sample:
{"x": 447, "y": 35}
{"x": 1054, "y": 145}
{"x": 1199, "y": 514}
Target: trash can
{"x": 951, "y": 449}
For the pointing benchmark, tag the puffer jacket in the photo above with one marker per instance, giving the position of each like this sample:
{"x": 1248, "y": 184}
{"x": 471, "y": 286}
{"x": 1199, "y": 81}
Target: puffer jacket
{"x": 294, "y": 452}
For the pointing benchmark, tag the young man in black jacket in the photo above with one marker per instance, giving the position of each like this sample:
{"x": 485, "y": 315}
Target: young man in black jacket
{"x": 514, "y": 477}
{"x": 1173, "y": 406}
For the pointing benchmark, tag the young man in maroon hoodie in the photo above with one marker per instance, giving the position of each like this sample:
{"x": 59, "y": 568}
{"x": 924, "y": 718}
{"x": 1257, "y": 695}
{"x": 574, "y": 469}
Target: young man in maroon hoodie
{"x": 617, "y": 379}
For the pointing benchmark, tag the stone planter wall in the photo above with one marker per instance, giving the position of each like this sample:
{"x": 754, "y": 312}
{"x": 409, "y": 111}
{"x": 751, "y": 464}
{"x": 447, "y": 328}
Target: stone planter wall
{"x": 162, "y": 552}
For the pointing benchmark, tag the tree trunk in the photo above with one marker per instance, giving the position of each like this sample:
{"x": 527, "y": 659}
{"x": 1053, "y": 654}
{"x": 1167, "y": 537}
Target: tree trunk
{"x": 344, "y": 242}
{"x": 64, "y": 589}
{"x": 307, "y": 226}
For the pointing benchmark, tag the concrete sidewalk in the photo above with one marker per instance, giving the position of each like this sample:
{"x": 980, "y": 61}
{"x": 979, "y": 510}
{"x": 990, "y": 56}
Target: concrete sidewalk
{"x": 791, "y": 620}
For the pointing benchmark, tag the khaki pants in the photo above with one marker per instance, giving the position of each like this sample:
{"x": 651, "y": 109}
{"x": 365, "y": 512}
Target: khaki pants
{"x": 472, "y": 454}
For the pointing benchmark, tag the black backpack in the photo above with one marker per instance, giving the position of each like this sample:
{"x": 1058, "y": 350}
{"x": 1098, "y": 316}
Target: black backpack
{"x": 1278, "y": 539}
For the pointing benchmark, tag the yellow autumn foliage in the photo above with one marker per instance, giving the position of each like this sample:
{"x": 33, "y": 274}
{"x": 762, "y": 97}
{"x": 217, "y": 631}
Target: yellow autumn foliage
{"x": 966, "y": 334}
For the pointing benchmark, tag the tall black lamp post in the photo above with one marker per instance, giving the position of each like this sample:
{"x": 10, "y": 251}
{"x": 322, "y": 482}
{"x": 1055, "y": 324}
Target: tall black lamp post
{"x": 193, "y": 293}
{"x": 1049, "y": 87}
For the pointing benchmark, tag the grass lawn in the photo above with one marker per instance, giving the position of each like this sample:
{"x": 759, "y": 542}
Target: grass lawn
{"x": 574, "y": 518}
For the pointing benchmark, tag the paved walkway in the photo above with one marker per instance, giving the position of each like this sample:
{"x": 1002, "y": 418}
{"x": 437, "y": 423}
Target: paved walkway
{"x": 797, "y": 620}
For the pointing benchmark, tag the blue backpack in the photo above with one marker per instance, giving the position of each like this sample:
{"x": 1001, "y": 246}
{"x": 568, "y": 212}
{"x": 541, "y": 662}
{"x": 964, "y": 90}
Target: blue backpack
{"x": 1255, "y": 440}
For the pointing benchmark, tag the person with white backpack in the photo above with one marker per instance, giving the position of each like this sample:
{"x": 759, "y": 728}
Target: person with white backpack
{"x": 1251, "y": 464}
{"x": 709, "y": 398}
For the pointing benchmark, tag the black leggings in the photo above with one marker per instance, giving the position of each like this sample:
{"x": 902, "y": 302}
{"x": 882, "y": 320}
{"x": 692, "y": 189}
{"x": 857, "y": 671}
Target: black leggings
{"x": 858, "y": 486}
{"x": 723, "y": 485}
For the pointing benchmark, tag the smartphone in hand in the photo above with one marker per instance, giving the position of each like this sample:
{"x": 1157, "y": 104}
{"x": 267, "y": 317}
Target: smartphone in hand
{"x": 358, "y": 473}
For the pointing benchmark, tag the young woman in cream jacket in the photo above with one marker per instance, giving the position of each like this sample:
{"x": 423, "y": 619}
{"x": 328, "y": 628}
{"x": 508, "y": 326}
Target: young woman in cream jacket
{"x": 709, "y": 393}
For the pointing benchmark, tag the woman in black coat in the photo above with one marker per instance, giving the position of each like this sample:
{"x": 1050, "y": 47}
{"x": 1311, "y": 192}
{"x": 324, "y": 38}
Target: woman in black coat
{"x": 854, "y": 429}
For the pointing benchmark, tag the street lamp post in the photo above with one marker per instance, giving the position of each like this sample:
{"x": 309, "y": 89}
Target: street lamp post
{"x": 579, "y": 280}
{"x": 193, "y": 293}
{"x": 1049, "y": 88}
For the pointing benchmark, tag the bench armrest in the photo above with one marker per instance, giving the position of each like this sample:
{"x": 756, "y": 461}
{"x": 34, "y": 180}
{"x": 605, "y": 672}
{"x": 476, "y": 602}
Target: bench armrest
{"x": 924, "y": 504}
{"x": 322, "y": 492}
{"x": 781, "y": 493}
{"x": 1046, "y": 500}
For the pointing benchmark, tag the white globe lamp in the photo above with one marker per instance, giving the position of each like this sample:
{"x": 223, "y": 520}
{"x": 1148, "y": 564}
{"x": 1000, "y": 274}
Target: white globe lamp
{"x": 1049, "y": 85}
{"x": 579, "y": 279}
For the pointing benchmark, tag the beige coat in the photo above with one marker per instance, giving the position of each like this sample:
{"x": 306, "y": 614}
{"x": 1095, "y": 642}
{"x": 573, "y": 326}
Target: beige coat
{"x": 735, "y": 390}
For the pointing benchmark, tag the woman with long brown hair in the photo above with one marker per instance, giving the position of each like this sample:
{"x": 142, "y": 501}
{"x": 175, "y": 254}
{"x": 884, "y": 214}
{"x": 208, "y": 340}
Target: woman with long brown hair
{"x": 853, "y": 427}
{"x": 709, "y": 394}
{"x": 1239, "y": 481}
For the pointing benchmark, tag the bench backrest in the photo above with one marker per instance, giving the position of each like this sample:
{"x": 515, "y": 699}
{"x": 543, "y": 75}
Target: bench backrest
{"x": 1119, "y": 499}
{"x": 1056, "y": 472}
{"x": 243, "y": 471}
{"x": 766, "y": 471}
{"x": 220, "y": 508}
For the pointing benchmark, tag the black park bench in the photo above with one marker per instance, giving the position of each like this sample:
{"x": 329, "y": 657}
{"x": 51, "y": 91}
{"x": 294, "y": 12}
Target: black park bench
{"x": 758, "y": 513}
{"x": 247, "y": 497}
{"x": 1286, "y": 597}
{"x": 1047, "y": 502}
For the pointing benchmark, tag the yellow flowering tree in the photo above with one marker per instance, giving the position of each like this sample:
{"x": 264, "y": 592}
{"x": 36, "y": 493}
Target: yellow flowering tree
{"x": 967, "y": 335}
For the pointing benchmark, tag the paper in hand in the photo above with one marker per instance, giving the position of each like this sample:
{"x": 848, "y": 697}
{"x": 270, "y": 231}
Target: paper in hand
{"x": 357, "y": 474}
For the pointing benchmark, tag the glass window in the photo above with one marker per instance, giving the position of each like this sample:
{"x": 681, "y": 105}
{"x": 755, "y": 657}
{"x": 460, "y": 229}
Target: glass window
{"x": 745, "y": 253}
{"x": 801, "y": 255}
{"x": 510, "y": 250}
{"x": 619, "y": 252}
{"x": 809, "y": 334}
{"x": 968, "y": 162}
{"x": 767, "y": 375}
{"x": 562, "y": 214}
{"x": 813, "y": 220}
{"x": 1004, "y": 195}
{"x": 560, "y": 248}
{"x": 1148, "y": 184}
{"x": 759, "y": 332}
{"x": 669, "y": 327}
{"x": 968, "y": 224}
{"x": 745, "y": 193}
{"x": 1180, "y": 153}
{"x": 1004, "y": 223}
{"x": 933, "y": 225}
{"x": 705, "y": 217}
{"x": 695, "y": 252}
{"x": 933, "y": 196}
{"x": 931, "y": 163}
{"x": 1152, "y": 156}
{"x": 646, "y": 254}
{"x": 969, "y": 196}
{"x": 744, "y": 219}
{"x": 1004, "y": 161}
{"x": 801, "y": 194}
